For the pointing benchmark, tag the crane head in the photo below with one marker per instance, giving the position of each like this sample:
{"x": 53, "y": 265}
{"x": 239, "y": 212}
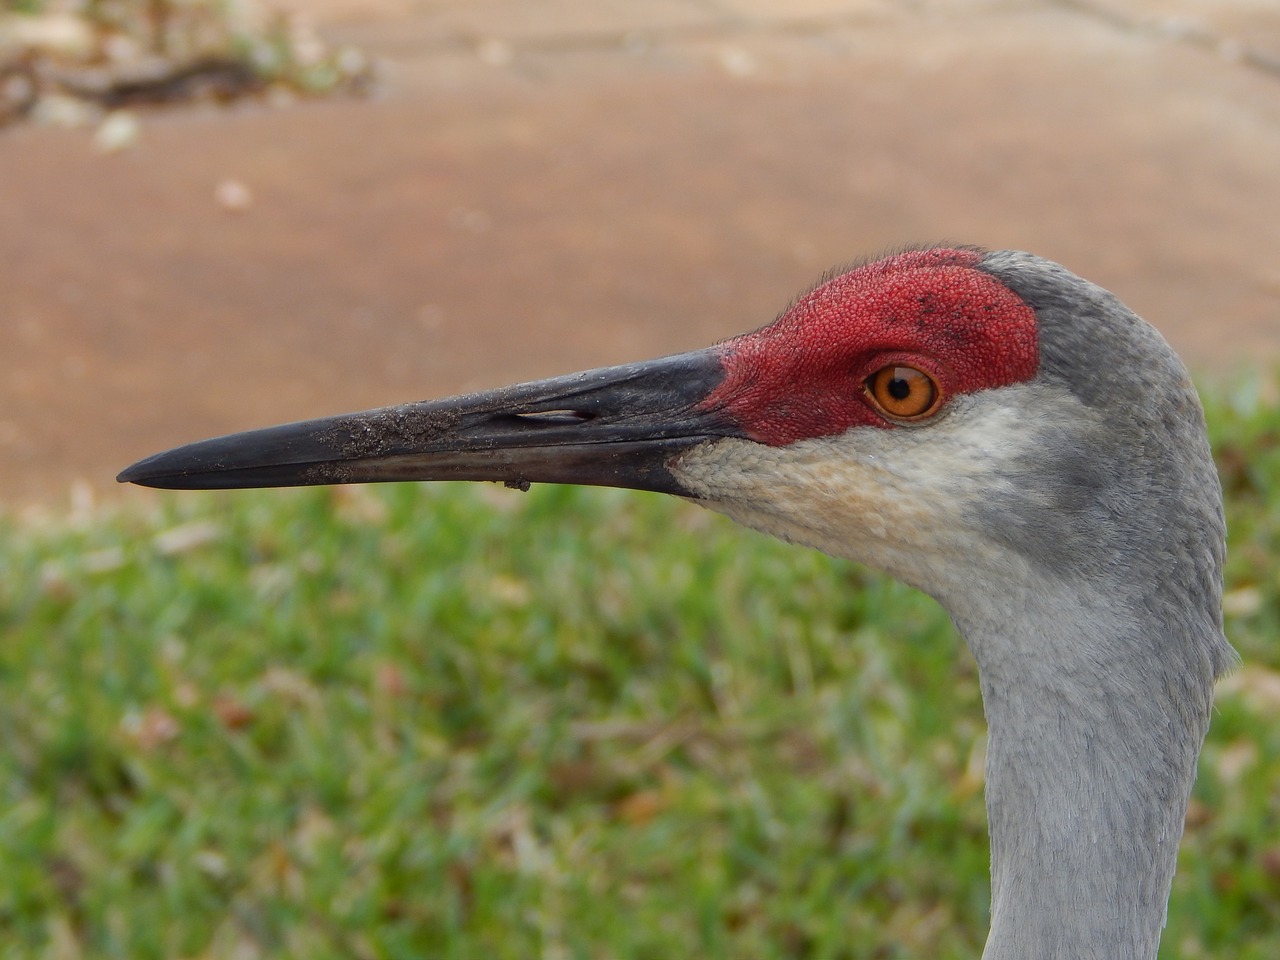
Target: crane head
{"x": 943, "y": 414}
{"x": 987, "y": 427}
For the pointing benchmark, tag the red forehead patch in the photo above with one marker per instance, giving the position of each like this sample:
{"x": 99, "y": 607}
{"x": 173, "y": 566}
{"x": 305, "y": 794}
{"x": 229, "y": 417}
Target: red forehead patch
{"x": 802, "y": 376}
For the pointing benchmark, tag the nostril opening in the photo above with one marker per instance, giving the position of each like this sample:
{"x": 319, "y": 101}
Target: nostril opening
{"x": 556, "y": 418}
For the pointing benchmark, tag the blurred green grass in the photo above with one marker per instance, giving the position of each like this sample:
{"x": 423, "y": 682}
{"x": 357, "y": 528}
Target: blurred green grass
{"x": 462, "y": 722}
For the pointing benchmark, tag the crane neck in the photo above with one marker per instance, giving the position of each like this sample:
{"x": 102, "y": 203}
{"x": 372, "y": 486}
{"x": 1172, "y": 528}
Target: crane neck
{"x": 1095, "y": 725}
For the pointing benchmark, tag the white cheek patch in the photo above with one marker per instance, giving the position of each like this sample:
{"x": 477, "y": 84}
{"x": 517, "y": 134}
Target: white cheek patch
{"x": 904, "y": 500}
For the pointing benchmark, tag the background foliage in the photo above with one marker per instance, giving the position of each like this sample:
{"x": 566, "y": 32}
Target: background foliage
{"x": 66, "y": 62}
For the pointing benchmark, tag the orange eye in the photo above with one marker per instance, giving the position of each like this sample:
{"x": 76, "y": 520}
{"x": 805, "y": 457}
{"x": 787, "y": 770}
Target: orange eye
{"x": 903, "y": 392}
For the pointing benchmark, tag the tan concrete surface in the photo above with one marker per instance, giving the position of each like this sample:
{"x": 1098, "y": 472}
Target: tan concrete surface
{"x": 543, "y": 185}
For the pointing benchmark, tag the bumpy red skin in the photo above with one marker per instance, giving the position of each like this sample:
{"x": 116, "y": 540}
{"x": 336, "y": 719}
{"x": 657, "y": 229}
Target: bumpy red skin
{"x": 802, "y": 376}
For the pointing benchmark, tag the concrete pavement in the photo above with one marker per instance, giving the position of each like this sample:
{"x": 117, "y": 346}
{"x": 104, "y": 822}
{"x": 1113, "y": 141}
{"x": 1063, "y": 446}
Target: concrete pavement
{"x": 544, "y": 185}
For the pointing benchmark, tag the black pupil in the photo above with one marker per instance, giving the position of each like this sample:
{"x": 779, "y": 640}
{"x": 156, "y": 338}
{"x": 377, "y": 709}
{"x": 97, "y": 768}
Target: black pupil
{"x": 899, "y": 388}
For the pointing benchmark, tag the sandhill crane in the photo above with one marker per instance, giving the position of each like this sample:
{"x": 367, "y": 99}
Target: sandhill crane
{"x": 985, "y": 426}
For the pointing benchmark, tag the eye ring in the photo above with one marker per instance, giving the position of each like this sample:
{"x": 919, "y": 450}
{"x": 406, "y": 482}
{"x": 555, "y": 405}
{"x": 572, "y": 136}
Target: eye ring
{"x": 903, "y": 392}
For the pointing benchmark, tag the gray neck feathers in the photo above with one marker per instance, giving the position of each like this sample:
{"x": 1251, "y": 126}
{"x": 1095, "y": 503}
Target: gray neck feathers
{"x": 1097, "y": 665}
{"x": 1090, "y": 760}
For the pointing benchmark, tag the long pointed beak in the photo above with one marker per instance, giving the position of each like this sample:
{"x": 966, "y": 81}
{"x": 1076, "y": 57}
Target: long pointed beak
{"x": 616, "y": 427}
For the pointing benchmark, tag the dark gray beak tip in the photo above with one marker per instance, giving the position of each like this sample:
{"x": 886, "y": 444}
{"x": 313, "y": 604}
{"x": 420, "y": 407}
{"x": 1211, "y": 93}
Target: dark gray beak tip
{"x": 287, "y": 455}
{"x": 148, "y": 472}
